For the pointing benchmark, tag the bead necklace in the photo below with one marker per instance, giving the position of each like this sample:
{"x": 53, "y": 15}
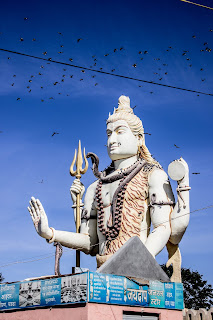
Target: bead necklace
{"x": 112, "y": 231}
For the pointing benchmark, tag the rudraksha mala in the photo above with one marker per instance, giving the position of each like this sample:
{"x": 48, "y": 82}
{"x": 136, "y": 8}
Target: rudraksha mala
{"x": 111, "y": 232}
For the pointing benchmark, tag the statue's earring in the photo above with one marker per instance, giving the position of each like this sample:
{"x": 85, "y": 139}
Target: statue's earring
{"x": 139, "y": 153}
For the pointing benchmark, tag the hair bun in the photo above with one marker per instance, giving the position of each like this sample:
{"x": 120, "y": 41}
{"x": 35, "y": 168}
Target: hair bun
{"x": 124, "y": 105}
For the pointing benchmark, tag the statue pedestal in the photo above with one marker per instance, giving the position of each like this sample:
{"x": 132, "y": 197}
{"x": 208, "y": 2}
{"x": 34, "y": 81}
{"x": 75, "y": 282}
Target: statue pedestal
{"x": 93, "y": 311}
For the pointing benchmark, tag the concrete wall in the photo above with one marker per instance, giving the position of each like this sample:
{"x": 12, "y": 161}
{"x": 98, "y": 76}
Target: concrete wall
{"x": 90, "y": 311}
{"x": 201, "y": 314}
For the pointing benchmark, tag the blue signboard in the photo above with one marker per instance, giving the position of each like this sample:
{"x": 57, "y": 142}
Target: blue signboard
{"x": 156, "y": 294}
{"x": 116, "y": 290}
{"x": 9, "y": 296}
{"x": 91, "y": 287}
{"x": 41, "y": 293}
{"x": 179, "y": 296}
{"x": 51, "y": 292}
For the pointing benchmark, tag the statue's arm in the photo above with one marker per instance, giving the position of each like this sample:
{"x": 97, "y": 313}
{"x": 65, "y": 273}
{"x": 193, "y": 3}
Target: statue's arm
{"x": 179, "y": 171}
{"x": 83, "y": 241}
{"x": 161, "y": 200}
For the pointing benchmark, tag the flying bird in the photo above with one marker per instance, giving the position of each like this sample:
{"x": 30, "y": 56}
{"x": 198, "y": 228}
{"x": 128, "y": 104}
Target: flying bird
{"x": 195, "y": 172}
{"x": 54, "y": 133}
{"x": 78, "y": 40}
{"x": 176, "y": 146}
{"x": 134, "y": 65}
{"x": 21, "y": 39}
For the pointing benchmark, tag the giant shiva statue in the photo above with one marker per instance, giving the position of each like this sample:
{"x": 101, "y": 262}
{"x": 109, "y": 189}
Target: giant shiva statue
{"x": 128, "y": 198}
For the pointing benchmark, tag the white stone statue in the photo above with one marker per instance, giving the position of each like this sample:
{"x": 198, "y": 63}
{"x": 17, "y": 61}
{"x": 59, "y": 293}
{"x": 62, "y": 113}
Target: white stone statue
{"x": 132, "y": 194}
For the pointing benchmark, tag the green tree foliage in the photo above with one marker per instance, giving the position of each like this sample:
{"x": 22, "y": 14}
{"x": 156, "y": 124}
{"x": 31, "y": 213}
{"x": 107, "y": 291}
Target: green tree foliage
{"x": 197, "y": 292}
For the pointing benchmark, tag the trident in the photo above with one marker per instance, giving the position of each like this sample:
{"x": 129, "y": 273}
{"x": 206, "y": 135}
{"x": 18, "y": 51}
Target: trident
{"x": 77, "y": 173}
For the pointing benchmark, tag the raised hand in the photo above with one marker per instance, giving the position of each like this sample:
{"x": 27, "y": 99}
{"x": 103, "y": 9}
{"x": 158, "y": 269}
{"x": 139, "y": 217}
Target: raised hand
{"x": 39, "y": 218}
{"x": 178, "y": 170}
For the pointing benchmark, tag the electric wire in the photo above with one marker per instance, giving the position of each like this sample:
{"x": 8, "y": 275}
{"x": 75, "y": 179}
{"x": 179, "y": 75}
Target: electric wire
{"x": 96, "y": 244}
{"x": 106, "y": 73}
{"x": 197, "y": 4}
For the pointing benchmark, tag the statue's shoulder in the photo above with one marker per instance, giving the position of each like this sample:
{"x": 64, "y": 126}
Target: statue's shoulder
{"x": 157, "y": 176}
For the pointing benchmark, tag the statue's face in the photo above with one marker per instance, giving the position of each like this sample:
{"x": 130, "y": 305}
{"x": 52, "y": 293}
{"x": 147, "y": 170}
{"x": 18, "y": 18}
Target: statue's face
{"x": 121, "y": 143}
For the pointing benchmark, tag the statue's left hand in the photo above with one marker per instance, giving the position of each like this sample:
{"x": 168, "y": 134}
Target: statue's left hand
{"x": 39, "y": 218}
{"x": 178, "y": 170}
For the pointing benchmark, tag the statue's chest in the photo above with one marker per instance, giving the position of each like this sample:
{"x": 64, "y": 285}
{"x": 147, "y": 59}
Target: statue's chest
{"x": 107, "y": 192}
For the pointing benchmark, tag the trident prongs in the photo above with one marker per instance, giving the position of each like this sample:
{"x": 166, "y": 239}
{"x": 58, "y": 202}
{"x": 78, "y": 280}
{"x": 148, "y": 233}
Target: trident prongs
{"x": 79, "y": 170}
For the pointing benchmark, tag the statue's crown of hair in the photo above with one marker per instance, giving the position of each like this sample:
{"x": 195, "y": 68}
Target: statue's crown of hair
{"x": 124, "y": 105}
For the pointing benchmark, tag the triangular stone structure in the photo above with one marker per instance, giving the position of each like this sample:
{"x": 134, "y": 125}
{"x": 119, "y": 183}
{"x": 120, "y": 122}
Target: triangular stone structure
{"x": 135, "y": 261}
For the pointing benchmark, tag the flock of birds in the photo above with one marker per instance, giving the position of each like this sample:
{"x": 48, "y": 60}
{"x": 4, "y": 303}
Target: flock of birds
{"x": 160, "y": 73}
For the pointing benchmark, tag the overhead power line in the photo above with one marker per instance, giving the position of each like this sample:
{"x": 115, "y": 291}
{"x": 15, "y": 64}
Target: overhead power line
{"x": 107, "y": 73}
{"x": 96, "y": 244}
{"x": 197, "y": 4}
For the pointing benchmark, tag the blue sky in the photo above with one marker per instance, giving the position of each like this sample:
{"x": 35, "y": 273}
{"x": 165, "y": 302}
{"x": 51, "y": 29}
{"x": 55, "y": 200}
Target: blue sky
{"x": 79, "y": 109}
